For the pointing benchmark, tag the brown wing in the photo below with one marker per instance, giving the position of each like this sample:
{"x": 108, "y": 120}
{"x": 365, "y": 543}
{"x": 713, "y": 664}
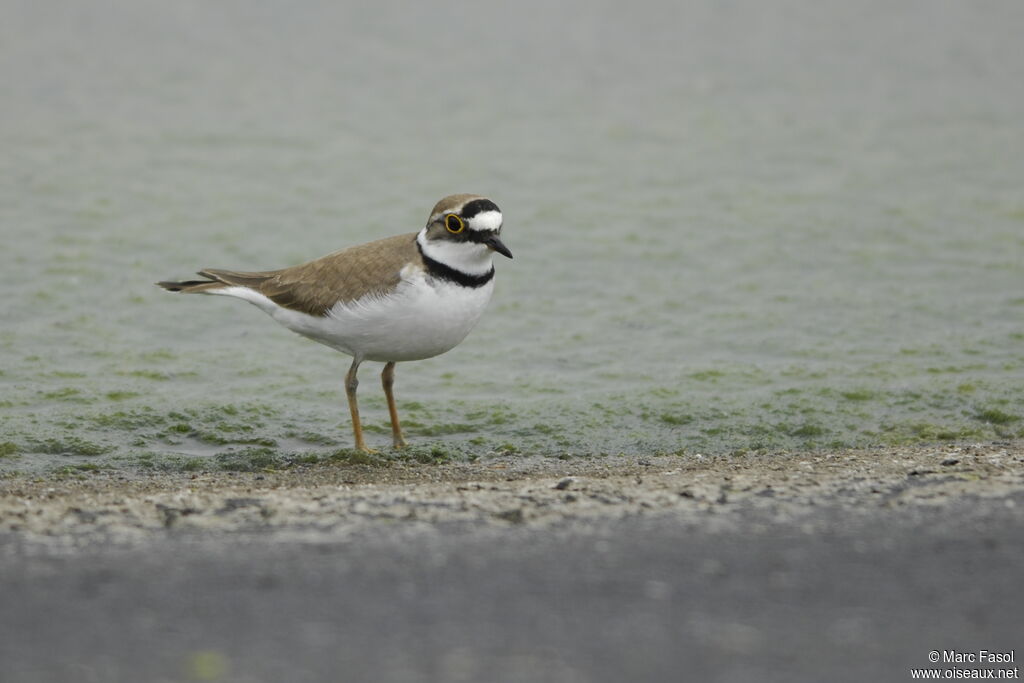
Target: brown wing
{"x": 345, "y": 275}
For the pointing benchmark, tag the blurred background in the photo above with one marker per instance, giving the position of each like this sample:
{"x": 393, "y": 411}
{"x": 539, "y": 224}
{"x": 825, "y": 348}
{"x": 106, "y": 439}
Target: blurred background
{"x": 736, "y": 225}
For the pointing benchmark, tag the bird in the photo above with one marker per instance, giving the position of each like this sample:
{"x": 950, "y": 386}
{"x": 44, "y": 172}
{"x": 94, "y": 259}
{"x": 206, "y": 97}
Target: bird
{"x": 403, "y": 298}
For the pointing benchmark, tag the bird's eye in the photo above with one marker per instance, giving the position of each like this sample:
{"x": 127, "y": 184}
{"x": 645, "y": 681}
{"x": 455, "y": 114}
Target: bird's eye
{"x": 454, "y": 224}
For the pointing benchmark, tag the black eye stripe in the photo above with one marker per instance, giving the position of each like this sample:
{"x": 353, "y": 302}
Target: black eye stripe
{"x": 478, "y": 236}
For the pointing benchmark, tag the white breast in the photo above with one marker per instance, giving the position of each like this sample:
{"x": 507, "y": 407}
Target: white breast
{"x": 420, "y": 319}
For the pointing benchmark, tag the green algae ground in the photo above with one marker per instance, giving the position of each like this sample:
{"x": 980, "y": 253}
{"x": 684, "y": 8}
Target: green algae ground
{"x": 782, "y": 245}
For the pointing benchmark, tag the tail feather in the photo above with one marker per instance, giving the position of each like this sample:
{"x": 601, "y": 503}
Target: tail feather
{"x": 236, "y": 277}
{"x": 190, "y": 286}
{"x": 217, "y": 279}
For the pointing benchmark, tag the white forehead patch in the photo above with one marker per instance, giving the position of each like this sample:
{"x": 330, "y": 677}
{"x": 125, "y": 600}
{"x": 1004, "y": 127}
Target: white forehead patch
{"x": 487, "y": 221}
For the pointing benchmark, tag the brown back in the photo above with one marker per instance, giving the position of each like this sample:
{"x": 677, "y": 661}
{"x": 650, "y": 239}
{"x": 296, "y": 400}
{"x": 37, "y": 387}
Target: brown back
{"x": 345, "y": 275}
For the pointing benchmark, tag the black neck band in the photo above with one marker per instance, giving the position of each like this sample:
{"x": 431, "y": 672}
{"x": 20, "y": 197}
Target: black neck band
{"x": 440, "y": 270}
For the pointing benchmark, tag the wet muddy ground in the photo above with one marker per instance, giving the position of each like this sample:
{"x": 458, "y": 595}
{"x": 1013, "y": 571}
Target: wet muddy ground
{"x": 327, "y": 499}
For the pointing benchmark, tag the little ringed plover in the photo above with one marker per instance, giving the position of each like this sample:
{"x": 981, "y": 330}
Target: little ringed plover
{"x": 407, "y": 297}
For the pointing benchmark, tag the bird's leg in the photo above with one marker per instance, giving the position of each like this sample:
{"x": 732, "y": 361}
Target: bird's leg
{"x": 387, "y": 378}
{"x": 351, "y": 384}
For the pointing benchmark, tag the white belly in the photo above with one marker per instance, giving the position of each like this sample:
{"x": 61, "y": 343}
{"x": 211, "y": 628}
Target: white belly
{"x": 420, "y": 319}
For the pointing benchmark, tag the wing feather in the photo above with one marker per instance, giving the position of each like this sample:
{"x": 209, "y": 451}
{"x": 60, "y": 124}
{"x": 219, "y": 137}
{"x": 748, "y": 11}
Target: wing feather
{"x": 316, "y": 286}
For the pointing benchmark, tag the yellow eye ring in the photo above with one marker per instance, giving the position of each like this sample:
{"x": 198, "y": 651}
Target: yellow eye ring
{"x": 454, "y": 224}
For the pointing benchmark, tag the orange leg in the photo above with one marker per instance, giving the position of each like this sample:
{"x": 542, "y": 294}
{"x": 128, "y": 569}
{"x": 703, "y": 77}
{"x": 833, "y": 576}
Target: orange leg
{"x": 351, "y": 384}
{"x": 387, "y": 378}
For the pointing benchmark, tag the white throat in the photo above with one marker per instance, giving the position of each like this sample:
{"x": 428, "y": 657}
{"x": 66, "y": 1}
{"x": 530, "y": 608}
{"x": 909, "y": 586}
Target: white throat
{"x": 470, "y": 258}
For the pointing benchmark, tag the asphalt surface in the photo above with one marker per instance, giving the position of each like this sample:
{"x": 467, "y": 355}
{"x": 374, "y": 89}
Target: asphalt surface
{"x": 735, "y": 594}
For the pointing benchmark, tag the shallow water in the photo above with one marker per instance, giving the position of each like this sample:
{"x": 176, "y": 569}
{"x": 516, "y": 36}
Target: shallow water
{"x": 735, "y": 227}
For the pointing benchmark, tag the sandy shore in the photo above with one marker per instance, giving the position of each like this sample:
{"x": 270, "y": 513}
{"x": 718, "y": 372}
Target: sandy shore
{"x": 846, "y": 566}
{"x": 331, "y": 500}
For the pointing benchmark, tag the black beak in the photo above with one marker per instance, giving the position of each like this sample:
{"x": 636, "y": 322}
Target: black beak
{"x": 494, "y": 243}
